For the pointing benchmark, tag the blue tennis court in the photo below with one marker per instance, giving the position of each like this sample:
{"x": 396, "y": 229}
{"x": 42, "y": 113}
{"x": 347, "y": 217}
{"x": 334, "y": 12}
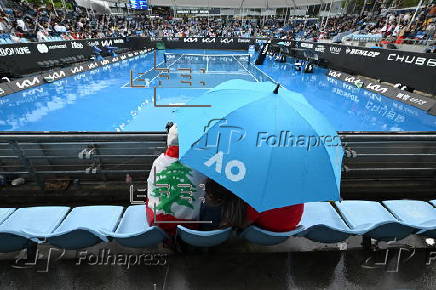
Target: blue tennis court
{"x": 102, "y": 99}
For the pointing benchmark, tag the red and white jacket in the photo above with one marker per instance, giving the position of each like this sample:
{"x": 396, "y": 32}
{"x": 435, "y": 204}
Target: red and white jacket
{"x": 169, "y": 206}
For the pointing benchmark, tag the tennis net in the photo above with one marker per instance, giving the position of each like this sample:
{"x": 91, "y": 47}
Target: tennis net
{"x": 207, "y": 59}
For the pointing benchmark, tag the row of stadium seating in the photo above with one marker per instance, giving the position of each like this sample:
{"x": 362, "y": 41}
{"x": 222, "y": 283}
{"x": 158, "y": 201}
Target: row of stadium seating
{"x": 54, "y": 38}
{"x": 47, "y": 64}
{"x": 66, "y": 61}
{"x": 6, "y": 39}
{"x": 324, "y": 222}
{"x": 366, "y": 37}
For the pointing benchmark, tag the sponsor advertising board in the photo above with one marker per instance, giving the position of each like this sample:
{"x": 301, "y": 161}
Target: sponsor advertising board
{"x": 416, "y": 100}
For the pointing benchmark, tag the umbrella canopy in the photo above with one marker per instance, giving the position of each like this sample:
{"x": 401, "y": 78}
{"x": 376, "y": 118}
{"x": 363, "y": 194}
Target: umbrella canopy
{"x": 272, "y": 150}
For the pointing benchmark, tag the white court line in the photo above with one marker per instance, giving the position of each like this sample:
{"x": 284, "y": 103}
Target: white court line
{"x": 166, "y": 67}
{"x": 246, "y": 69}
{"x": 247, "y": 72}
{"x": 208, "y": 55}
{"x": 268, "y": 76}
{"x": 213, "y": 73}
{"x": 127, "y": 85}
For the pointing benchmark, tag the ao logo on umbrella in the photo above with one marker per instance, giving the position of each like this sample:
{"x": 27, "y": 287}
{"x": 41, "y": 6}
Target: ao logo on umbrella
{"x": 221, "y": 140}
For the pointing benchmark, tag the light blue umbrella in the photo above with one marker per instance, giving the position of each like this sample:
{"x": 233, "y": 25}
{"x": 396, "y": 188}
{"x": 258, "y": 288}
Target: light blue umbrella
{"x": 270, "y": 149}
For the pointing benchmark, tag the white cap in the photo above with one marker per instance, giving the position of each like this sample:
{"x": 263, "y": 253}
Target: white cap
{"x": 173, "y": 136}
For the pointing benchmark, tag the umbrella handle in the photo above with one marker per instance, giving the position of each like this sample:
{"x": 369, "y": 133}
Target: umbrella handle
{"x": 276, "y": 90}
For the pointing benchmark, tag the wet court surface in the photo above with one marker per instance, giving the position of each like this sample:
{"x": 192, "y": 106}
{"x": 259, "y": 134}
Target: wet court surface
{"x": 102, "y": 99}
{"x": 328, "y": 269}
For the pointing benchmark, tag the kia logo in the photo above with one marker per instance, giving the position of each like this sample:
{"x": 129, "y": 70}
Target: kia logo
{"x": 208, "y": 40}
{"x": 57, "y": 75}
{"x": 227, "y": 40}
{"x": 377, "y": 88}
{"x": 190, "y": 39}
{"x": 334, "y": 74}
{"x": 92, "y": 65}
{"x": 76, "y": 69}
{"x": 106, "y": 42}
{"x": 27, "y": 83}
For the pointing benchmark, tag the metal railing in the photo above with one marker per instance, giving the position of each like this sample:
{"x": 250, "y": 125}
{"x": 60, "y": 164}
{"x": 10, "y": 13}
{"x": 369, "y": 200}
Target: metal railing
{"x": 377, "y": 164}
{"x": 87, "y": 156}
{"x": 389, "y": 165}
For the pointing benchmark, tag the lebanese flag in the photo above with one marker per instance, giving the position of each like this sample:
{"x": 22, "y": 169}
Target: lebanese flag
{"x": 175, "y": 193}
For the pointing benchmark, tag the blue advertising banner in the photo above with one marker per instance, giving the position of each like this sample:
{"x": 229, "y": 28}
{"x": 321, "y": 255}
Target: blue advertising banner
{"x": 138, "y": 4}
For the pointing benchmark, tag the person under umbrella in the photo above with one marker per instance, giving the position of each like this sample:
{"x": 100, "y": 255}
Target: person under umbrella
{"x": 266, "y": 145}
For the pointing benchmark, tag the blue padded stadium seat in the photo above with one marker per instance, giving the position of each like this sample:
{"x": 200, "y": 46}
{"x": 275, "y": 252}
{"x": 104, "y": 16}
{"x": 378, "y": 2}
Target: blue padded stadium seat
{"x": 5, "y": 213}
{"x": 203, "y": 238}
{"x": 134, "y": 231}
{"x": 323, "y": 224}
{"x": 29, "y": 225}
{"x": 86, "y": 226}
{"x": 260, "y": 236}
{"x": 418, "y": 214}
{"x": 370, "y": 218}
{"x": 433, "y": 202}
